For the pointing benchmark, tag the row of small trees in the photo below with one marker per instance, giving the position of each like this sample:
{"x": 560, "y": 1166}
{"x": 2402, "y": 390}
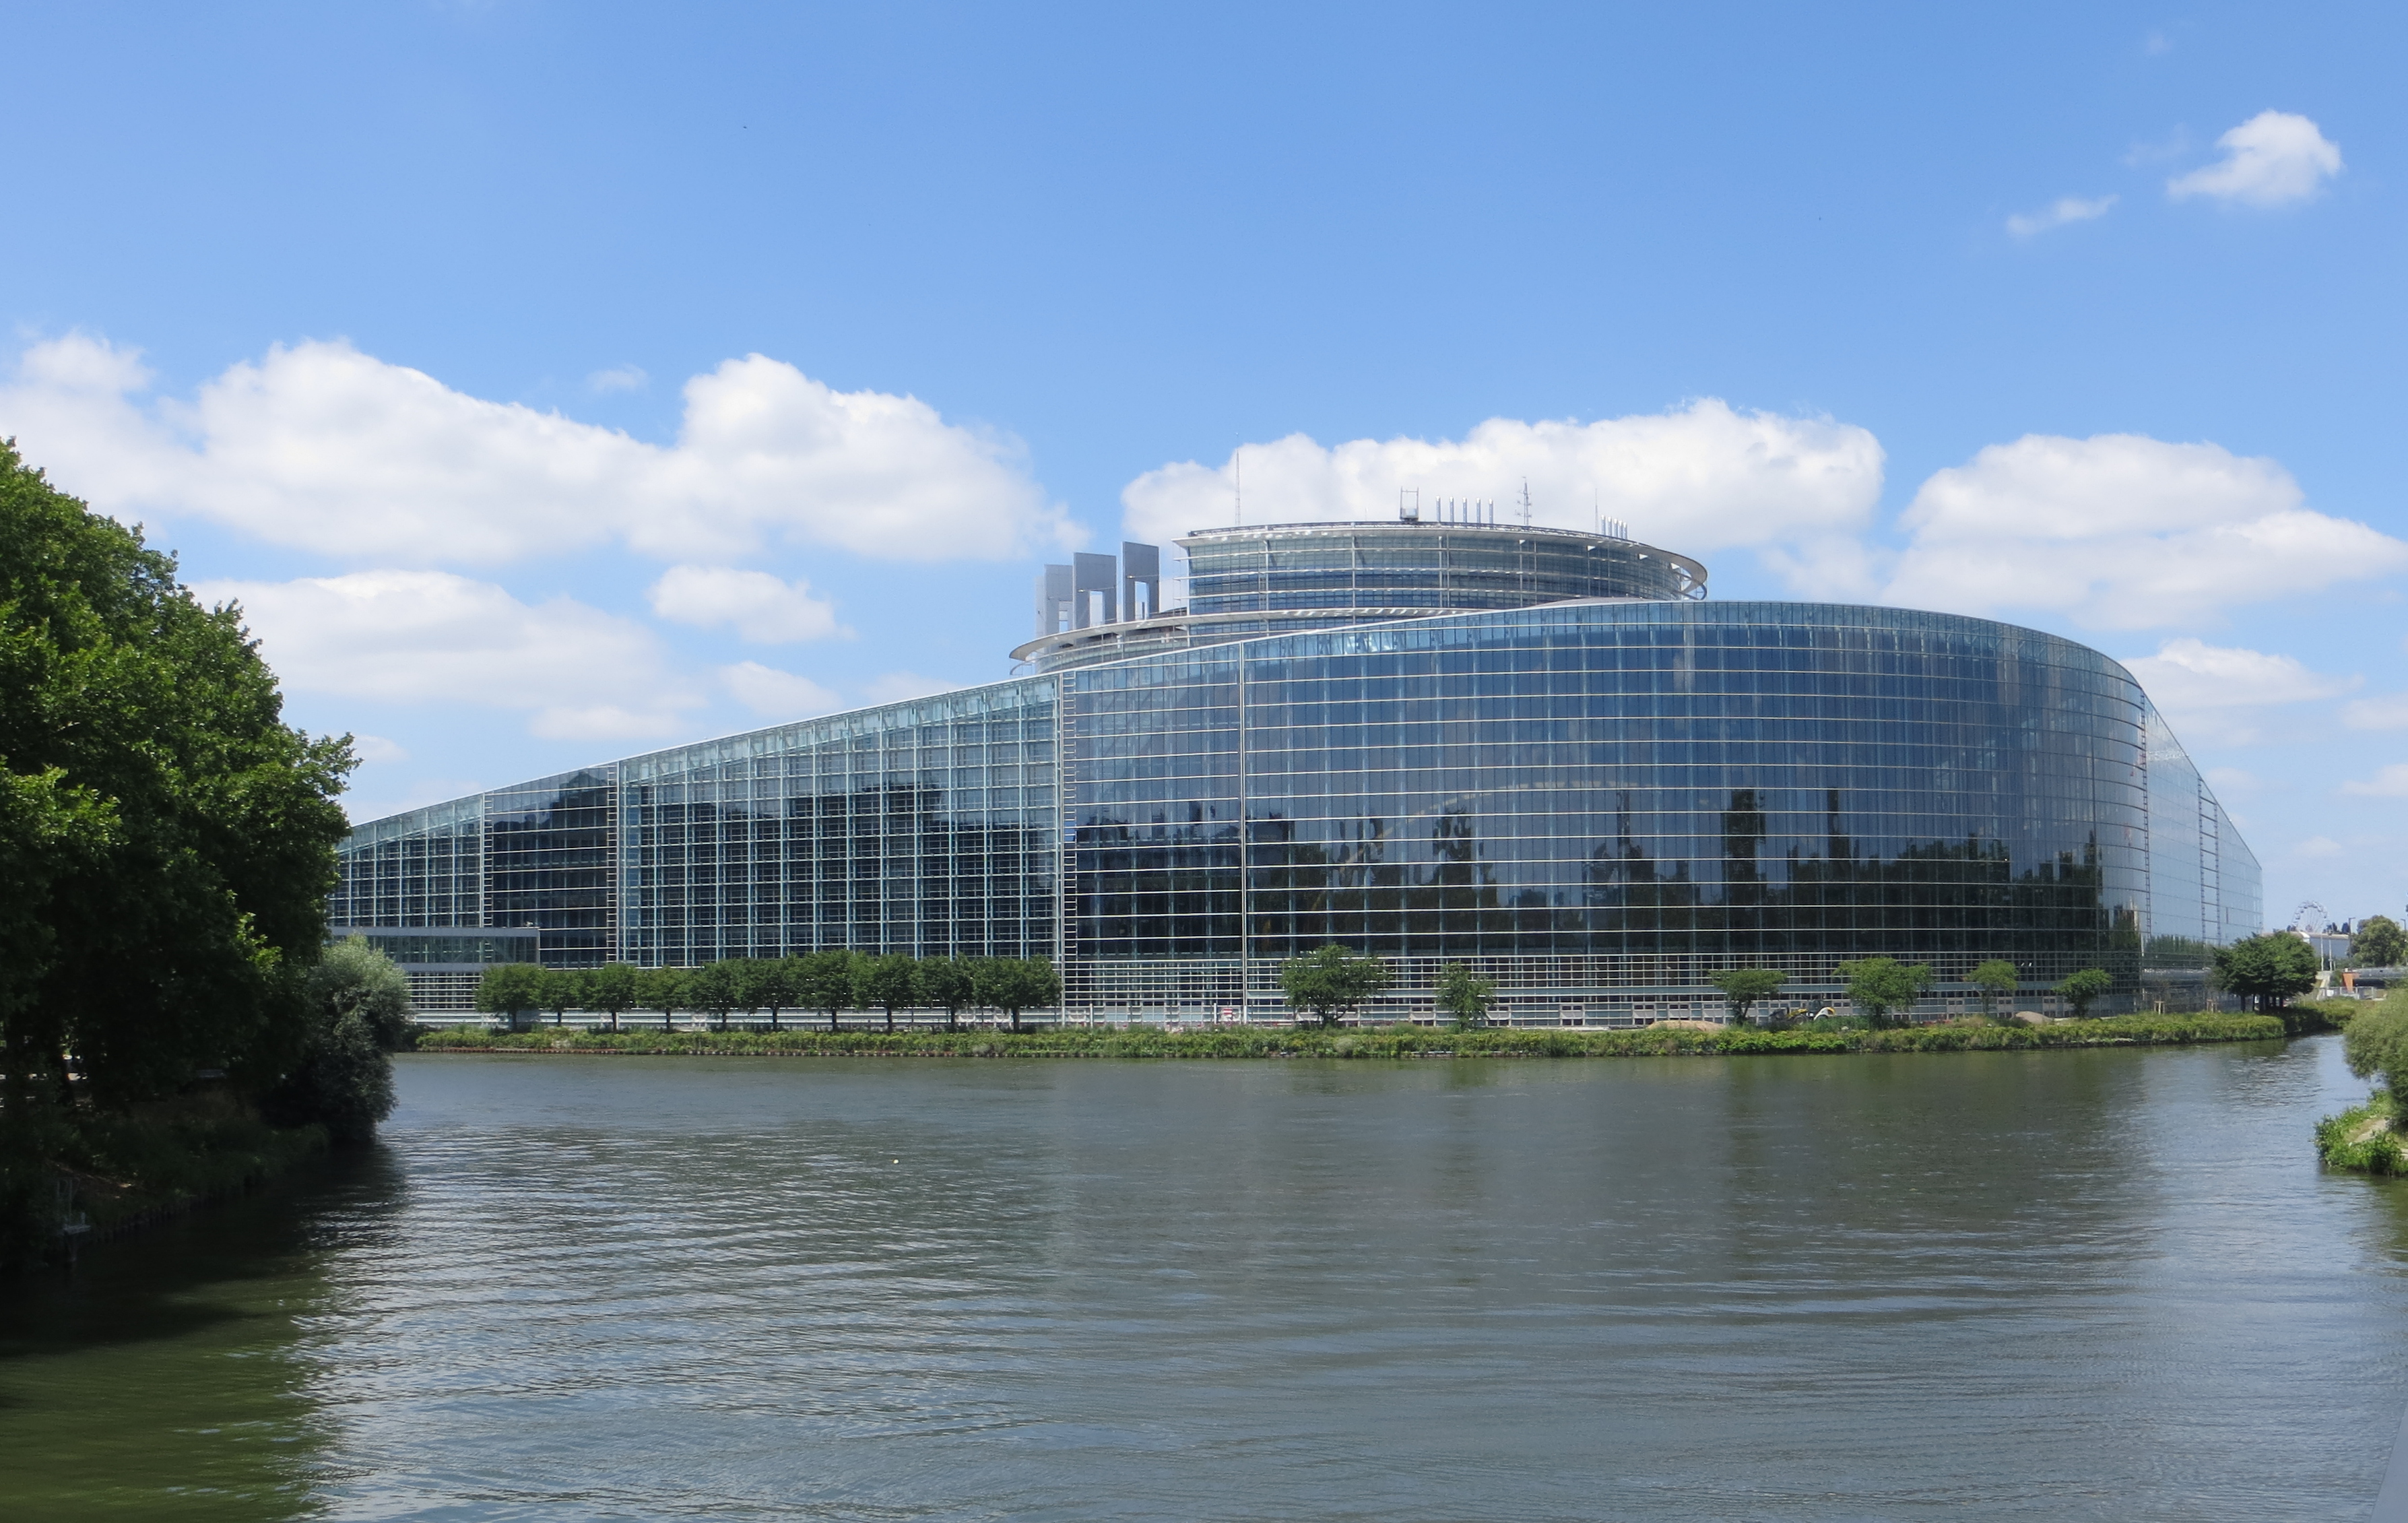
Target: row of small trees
{"x": 826, "y": 981}
{"x": 1325, "y": 985}
{"x": 1333, "y": 982}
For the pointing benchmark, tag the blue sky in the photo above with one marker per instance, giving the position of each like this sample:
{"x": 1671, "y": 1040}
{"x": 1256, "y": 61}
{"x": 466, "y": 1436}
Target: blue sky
{"x": 430, "y": 332}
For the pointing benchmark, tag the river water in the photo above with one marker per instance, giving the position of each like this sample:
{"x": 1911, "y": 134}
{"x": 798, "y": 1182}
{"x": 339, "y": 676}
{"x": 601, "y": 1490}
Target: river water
{"x": 2056, "y": 1286}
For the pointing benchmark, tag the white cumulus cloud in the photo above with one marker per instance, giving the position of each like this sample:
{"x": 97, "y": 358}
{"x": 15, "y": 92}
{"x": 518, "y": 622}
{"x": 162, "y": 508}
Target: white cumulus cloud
{"x": 2212, "y": 694}
{"x": 2072, "y": 208}
{"x": 2271, "y": 160}
{"x": 764, "y": 609}
{"x": 322, "y": 447}
{"x": 619, "y": 378}
{"x": 430, "y": 637}
{"x": 774, "y": 694}
{"x": 2390, "y": 783}
{"x": 2122, "y": 531}
{"x": 2385, "y": 711}
{"x": 1697, "y": 478}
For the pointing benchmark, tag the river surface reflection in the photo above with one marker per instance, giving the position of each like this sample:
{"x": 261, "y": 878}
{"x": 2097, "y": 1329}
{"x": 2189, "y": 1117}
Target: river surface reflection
{"x": 2058, "y": 1286}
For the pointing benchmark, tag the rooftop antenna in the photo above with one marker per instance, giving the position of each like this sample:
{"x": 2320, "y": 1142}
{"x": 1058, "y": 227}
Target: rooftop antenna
{"x": 1525, "y": 502}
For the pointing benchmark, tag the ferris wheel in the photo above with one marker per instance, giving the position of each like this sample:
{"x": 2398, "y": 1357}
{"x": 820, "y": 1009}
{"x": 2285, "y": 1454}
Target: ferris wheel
{"x": 2310, "y": 916}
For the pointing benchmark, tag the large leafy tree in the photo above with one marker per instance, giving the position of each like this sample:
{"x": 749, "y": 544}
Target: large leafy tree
{"x": 1331, "y": 982}
{"x": 2379, "y": 942}
{"x": 1012, "y": 984}
{"x": 1743, "y": 986}
{"x": 1878, "y": 986}
{"x": 823, "y": 981}
{"x": 1998, "y": 981}
{"x": 2083, "y": 988}
{"x": 1464, "y": 996}
{"x": 947, "y": 981}
{"x": 887, "y": 982}
{"x": 2269, "y": 969}
{"x": 166, "y": 842}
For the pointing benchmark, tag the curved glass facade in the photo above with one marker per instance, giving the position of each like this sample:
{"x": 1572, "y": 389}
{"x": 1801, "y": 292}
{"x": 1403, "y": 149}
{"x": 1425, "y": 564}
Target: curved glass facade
{"x": 1596, "y": 803}
{"x": 1600, "y": 805}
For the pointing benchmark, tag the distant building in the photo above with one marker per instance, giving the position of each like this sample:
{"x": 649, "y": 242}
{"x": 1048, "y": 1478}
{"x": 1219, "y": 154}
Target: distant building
{"x": 1540, "y": 753}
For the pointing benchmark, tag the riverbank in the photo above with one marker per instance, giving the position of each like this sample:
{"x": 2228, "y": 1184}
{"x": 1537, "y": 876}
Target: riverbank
{"x": 2363, "y": 1139}
{"x": 88, "y": 1178}
{"x": 1391, "y": 1041}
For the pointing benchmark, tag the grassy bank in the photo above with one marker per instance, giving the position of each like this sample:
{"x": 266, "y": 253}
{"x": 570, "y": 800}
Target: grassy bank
{"x": 1367, "y": 1041}
{"x": 112, "y": 1173}
{"x": 2362, "y": 1138}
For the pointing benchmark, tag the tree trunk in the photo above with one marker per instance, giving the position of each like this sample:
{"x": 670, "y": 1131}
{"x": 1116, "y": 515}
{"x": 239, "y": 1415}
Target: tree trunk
{"x": 832, "y": 1026}
{"x": 890, "y": 1020}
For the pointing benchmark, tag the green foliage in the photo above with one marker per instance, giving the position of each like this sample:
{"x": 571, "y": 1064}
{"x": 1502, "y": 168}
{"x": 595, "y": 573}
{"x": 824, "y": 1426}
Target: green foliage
{"x": 1878, "y": 986}
{"x": 354, "y": 978}
{"x": 2378, "y": 942}
{"x": 714, "y": 989}
{"x": 2084, "y": 989}
{"x": 662, "y": 989}
{"x": 1743, "y": 986}
{"x": 1012, "y": 984}
{"x": 1400, "y": 1042}
{"x": 564, "y": 991}
{"x": 1998, "y": 981}
{"x": 2269, "y": 969}
{"x": 769, "y": 983}
{"x": 887, "y": 982}
{"x": 823, "y": 981}
{"x": 343, "y": 1083}
{"x": 1466, "y": 999}
{"x": 2376, "y": 1044}
{"x": 510, "y": 989}
{"x": 2363, "y": 1138}
{"x": 1331, "y": 982}
{"x": 166, "y": 843}
{"x": 950, "y": 982}
{"x": 612, "y": 988}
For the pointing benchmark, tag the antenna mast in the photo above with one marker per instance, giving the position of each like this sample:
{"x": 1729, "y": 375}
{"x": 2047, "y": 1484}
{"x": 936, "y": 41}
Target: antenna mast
{"x": 1525, "y": 502}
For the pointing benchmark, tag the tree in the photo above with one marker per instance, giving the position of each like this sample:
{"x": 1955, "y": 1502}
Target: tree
{"x": 1012, "y": 984}
{"x": 2080, "y": 989}
{"x": 1877, "y": 986}
{"x": 166, "y": 843}
{"x": 824, "y": 982}
{"x": 344, "y": 1081}
{"x": 714, "y": 988}
{"x": 947, "y": 981}
{"x": 612, "y": 988}
{"x": 662, "y": 989}
{"x": 2268, "y": 969}
{"x": 354, "y": 978}
{"x": 2379, "y": 942}
{"x": 359, "y": 1010}
{"x": 769, "y": 985}
{"x": 2377, "y": 1043}
{"x": 1743, "y": 986}
{"x": 1998, "y": 981}
{"x": 564, "y": 991}
{"x": 889, "y": 981}
{"x": 509, "y": 988}
{"x": 1466, "y": 999}
{"x": 1331, "y": 982}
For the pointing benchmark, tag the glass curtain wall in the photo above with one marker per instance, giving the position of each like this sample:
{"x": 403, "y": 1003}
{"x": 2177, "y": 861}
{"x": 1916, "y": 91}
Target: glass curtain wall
{"x": 1601, "y": 805}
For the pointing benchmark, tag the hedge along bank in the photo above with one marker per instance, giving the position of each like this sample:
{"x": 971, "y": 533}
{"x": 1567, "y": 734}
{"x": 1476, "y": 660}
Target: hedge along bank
{"x": 1368, "y": 1041}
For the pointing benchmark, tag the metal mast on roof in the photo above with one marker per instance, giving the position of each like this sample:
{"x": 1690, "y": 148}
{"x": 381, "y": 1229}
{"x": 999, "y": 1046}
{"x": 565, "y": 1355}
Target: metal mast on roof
{"x": 1525, "y": 502}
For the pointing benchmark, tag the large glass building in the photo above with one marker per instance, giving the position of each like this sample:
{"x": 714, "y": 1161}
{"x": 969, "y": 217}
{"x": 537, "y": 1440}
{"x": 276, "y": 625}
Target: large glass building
{"x": 1542, "y": 754}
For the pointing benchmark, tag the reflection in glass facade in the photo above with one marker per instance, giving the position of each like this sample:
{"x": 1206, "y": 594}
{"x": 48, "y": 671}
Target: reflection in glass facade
{"x": 1598, "y": 803}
